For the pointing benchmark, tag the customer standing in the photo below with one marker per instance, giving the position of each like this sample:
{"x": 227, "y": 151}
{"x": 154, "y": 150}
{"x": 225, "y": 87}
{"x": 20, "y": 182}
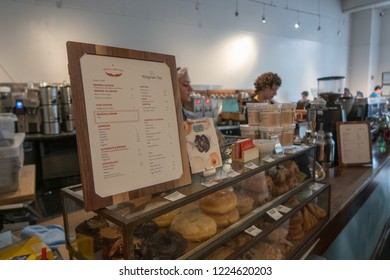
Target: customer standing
{"x": 303, "y": 102}
{"x": 377, "y": 92}
{"x": 266, "y": 87}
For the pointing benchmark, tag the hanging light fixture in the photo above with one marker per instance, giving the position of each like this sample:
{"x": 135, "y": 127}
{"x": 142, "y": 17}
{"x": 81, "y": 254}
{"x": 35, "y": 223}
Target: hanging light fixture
{"x": 338, "y": 30}
{"x": 319, "y": 17}
{"x": 319, "y": 23}
{"x": 236, "y": 12}
{"x": 297, "y": 24}
{"x": 263, "y": 17}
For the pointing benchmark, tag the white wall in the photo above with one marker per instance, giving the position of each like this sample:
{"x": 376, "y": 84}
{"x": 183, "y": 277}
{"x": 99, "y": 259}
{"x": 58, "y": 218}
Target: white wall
{"x": 218, "y": 47}
{"x": 369, "y": 49}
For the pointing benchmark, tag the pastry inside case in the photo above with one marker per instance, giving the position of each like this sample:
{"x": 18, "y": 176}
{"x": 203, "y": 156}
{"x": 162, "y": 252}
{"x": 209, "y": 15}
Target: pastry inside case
{"x": 205, "y": 219}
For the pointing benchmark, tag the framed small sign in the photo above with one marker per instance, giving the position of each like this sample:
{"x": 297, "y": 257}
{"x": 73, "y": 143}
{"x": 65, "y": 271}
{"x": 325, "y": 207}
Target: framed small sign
{"x": 354, "y": 143}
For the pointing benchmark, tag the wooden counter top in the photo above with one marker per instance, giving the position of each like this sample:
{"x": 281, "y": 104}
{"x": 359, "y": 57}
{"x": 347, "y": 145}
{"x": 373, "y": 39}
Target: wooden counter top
{"x": 26, "y": 190}
{"x": 350, "y": 188}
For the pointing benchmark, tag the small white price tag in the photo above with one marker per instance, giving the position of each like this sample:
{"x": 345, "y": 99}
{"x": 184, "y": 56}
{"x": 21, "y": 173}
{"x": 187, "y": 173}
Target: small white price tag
{"x": 268, "y": 159}
{"x": 274, "y": 214}
{"x": 233, "y": 174}
{"x": 209, "y": 184}
{"x": 251, "y": 165}
{"x": 253, "y": 230}
{"x": 174, "y": 196}
{"x": 283, "y": 209}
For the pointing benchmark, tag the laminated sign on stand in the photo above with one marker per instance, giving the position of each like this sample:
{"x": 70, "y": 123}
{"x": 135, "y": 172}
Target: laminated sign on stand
{"x": 127, "y": 114}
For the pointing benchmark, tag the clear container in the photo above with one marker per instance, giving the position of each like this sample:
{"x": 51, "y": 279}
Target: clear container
{"x": 269, "y": 115}
{"x": 287, "y": 138}
{"x": 250, "y": 131}
{"x": 287, "y": 114}
{"x": 268, "y": 132}
{"x": 253, "y": 113}
{"x": 7, "y": 129}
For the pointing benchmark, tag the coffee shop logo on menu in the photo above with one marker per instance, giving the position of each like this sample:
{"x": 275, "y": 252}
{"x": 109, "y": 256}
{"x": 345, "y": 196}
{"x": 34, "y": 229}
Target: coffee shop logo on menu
{"x": 113, "y": 71}
{"x": 151, "y": 76}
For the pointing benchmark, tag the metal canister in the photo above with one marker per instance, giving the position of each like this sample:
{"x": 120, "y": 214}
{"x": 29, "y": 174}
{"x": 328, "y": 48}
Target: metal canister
{"x": 325, "y": 148}
{"x": 48, "y": 95}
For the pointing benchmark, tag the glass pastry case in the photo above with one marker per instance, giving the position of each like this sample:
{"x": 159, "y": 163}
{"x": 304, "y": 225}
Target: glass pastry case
{"x": 271, "y": 207}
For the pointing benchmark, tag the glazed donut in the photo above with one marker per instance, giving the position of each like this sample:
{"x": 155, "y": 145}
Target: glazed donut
{"x": 226, "y": 219}
{"x": 220, "y": 202}
{"x": 244, "y": 203}
{"x": 165, "y": 245}
{"x": 165, "y": 219}
{"x": 194, "y": 225}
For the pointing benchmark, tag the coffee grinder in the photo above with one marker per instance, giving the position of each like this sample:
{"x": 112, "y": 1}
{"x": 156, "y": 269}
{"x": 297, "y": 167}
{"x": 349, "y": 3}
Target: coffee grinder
{"x": 330, "y": 90}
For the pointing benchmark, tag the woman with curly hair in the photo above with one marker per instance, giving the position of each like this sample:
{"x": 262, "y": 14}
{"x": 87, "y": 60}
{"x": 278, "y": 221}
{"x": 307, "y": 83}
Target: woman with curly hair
{"x": 267, "y": 86}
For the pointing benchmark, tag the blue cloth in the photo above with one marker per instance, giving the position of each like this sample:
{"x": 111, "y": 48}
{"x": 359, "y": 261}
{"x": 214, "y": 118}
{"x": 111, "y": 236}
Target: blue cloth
{"x": 374, "y": 94}
{"x": 51, "y": 235}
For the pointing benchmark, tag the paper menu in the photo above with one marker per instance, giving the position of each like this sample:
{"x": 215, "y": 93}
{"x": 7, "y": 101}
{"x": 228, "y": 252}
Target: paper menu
{"x": 132, "y": 123}
{"x": 202, "y": 145}
{"x": 354, "y": 138}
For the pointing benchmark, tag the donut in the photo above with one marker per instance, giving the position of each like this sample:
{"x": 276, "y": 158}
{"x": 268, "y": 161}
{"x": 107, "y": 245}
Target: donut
{"x": 214, "y": 159}
{"x": 165, "y": 219}
{"x": 244, "y": 203}
{"x": 219, "y": 202}
{"x": 145, "y": 230}
{"x": 226, "y": 219}
{"x": 165, "y": 245}
{"x": 194, "y": 225}
{"x": 221, "y": 253}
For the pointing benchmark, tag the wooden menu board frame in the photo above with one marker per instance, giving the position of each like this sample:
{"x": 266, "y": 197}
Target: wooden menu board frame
{"x": 92, "y": 200}
{"x": 358, "y": 152}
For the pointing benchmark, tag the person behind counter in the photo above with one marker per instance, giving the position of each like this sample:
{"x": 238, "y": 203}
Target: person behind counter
{"x": 303, "y": 102}
{"x": 185, "y": 90}
{"x": 266, "y": 87}
{"x": 377, "y": 92}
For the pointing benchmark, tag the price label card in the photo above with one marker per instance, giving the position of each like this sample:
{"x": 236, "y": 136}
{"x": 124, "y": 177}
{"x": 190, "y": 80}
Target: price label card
{"x": 253, "y": 230}
{"x": 174, "y": 196}
{"x": 233, "y": 174}
{"x": 209, "y": 184}
{"x": 283, "y": 209}
{"x": 251, "y": 165}
{"x": 274, "y": 214}
{"x": 268, "y": 159}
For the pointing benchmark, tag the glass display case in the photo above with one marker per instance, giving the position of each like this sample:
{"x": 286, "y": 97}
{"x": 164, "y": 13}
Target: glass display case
{"x": 237, "y": 209}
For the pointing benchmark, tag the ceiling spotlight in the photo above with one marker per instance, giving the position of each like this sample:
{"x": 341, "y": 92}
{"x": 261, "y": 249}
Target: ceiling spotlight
{"x": 297, "y": 24}
{"x": 381, "y": 13}
{"x": 338, "y": 32}
{"x": 319, "y": 28}
{"x": 263, "y": 17}
{"x": 236, "y": 12}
